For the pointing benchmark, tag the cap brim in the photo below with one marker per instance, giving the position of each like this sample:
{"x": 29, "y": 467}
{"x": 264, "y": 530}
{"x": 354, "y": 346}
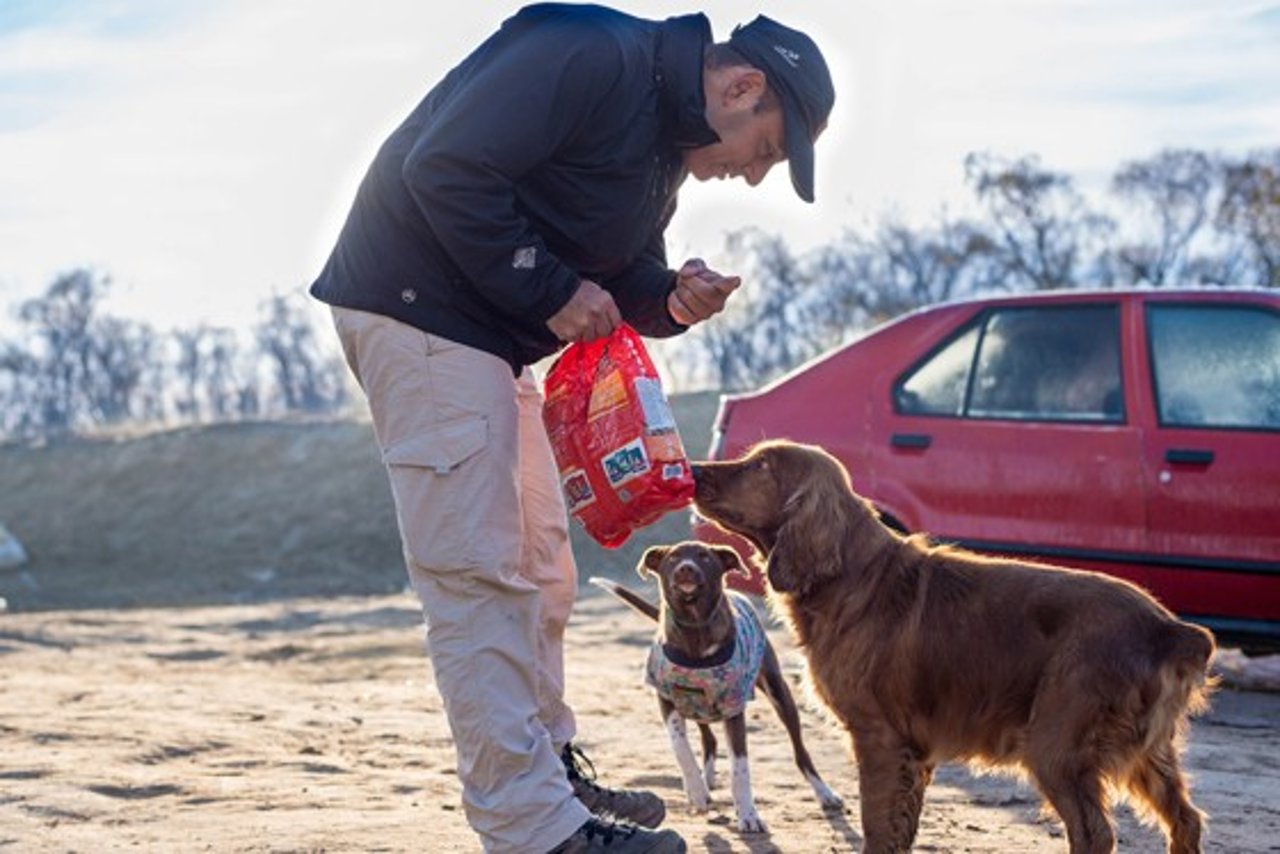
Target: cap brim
{"x": 799, "y": 152}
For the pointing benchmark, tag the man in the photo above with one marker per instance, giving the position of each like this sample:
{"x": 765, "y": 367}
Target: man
{"x": 520, "y": 206}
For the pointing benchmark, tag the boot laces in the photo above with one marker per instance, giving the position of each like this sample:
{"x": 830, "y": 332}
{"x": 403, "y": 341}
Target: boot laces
{"x": 608, "y": 830}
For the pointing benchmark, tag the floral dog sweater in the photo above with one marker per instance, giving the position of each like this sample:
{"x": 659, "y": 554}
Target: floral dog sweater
{"x": 712, "y": 690}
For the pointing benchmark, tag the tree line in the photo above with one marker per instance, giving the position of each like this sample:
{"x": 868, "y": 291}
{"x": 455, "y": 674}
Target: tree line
{"x": 76, "y": 368}
{"x": 1181, "y": 217}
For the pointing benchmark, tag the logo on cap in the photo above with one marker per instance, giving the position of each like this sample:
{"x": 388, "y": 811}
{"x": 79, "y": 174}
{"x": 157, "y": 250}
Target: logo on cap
{"x": 792, "y": 58}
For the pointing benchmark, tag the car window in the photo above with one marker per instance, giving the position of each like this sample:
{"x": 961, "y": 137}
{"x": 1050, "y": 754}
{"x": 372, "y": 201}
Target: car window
{"x": 938, "y": 386}
{"x": 1216, "y": 366}
{"x": 1050, "y": 364}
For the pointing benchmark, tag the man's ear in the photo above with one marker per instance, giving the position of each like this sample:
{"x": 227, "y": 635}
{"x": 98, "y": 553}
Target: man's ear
{"x": 744, "y": 86}
{"x": 651, "y": 560}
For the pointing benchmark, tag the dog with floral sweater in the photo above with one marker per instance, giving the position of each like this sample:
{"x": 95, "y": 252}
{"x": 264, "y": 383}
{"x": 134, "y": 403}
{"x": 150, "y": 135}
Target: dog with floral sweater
{"x": 708, "y": 656}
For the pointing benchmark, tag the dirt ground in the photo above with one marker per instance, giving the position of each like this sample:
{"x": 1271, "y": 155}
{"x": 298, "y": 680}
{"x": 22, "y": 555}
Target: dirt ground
{"x": 211, "y": 649}
{"x": 313, "y": 725}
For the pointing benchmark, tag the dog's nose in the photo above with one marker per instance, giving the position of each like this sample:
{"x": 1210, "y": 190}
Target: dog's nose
{"x": 687, "y": 574}
{"x": 696, "y": 470}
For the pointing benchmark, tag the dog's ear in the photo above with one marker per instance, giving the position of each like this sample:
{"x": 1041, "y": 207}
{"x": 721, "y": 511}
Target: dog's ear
{"x": 811, "y": 541}
{"x": 651, "y": 560}
{"x": 730, "y": 560}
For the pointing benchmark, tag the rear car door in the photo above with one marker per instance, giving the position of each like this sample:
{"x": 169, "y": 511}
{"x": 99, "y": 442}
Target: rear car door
{"x": 1212, "y": 460}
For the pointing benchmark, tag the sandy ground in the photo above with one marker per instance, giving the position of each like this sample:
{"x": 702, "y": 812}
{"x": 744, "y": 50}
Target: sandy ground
{"x": 313, "y": 725}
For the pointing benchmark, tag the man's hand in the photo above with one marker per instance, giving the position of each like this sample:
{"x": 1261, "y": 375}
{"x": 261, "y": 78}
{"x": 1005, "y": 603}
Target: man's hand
{"x": 699, "y": 293}
{"x": 589, "y": 314}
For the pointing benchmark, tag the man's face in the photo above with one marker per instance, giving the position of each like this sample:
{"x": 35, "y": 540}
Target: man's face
{"x": 750, "y": 143}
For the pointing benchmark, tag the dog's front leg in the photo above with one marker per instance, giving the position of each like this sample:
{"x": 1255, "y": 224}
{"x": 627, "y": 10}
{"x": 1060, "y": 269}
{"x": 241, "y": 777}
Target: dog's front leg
{"x": 744, "y": 803}
{"x": 892, "y": 777}
{"x": 695, "y": 788}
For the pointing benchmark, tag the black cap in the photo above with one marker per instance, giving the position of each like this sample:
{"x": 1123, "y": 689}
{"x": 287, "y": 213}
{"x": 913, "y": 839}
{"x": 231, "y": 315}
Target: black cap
{"x": 795, "y": 69}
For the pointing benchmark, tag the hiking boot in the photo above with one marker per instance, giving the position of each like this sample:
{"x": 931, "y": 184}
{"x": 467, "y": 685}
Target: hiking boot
{"x": 598, "y": 835}
{"x": 643, "y": 808}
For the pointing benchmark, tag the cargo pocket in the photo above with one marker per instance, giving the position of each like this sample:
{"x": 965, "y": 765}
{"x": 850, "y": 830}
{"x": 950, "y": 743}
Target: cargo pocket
{"x": 440, "y": 491}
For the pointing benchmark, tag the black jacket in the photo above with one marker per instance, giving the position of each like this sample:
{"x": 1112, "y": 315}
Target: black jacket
{"x": 549, "y": 155}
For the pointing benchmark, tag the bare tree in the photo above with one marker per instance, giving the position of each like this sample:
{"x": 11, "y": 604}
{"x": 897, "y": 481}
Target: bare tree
{"x": 848, "y": 269}
{"x": 1042, "y": 225}
{"x": 188, "y": 368}
{"x": 19, "y": 392}
{"x": 225, "y": 384}
{"x": 121, "y": 353}
{"x": 307, "y": 378}
{"x": 930, "y": 265}
{"x": 776, "y": 299}
{"x": 215, "y": 385}
{"x": 1172, "y": 191}
{"x": 78, "y": 366}
{"x": 1250, "y": 211}
{"x": 60, "y": 321}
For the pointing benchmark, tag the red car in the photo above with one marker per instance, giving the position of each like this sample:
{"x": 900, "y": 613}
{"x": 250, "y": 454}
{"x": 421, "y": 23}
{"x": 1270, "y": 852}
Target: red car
{"x": 1132, "y": 432}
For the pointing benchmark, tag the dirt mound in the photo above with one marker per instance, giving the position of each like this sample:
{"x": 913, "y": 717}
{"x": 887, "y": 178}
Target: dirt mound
{"x": 231, "y": 513}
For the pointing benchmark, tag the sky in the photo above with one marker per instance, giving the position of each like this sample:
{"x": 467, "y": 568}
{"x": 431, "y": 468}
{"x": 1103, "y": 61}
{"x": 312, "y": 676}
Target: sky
{"x": 203, "y": 153}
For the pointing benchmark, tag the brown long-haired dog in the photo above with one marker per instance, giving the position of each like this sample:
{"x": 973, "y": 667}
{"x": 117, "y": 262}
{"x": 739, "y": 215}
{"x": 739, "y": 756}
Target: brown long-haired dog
{"x": 929, "y": 654}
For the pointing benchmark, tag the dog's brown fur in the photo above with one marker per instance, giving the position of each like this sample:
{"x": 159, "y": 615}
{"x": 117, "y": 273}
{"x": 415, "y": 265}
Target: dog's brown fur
{"x": 928, "y": 654}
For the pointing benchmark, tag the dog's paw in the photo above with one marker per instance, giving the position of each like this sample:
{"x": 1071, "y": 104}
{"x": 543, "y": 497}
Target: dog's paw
{"x": 709, "y": 773}
{"x": 829, "y": 799}
{"x": 695, "y": 790}
{"x": 749, "y": 821}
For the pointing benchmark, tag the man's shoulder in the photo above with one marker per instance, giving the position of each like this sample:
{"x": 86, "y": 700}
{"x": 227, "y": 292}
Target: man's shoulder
{"x": 601, "y": 20}
{"x": 599, "y": 46}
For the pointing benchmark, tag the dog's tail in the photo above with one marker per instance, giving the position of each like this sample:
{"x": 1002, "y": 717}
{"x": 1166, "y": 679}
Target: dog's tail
{"x": 1183, "y": 682}
{"x": 1193, "y": 649}
{"x": 626, "y": 594}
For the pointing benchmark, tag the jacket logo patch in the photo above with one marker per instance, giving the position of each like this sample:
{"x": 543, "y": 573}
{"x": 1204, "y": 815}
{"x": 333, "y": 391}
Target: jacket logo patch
{"x": 526, "y": 258}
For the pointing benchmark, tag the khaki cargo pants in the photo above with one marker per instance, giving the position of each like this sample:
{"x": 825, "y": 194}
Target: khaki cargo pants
{"x": 483, "y": 524}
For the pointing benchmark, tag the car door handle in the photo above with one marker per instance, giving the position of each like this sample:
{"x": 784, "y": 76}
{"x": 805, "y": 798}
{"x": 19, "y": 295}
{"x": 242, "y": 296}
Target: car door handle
{"x": 1188, "y": 457}
{"x": 913, "y": 441}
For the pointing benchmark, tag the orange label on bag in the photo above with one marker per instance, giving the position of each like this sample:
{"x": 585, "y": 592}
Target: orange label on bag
{"x": 607, "y": 394}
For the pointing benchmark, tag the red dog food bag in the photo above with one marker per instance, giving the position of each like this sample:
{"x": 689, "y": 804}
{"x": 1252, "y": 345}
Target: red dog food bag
{"x": 621, "y": 461}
